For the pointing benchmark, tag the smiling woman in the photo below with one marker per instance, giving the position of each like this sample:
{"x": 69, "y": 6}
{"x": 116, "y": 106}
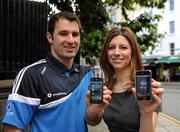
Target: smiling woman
{"x": 120, "y": 60}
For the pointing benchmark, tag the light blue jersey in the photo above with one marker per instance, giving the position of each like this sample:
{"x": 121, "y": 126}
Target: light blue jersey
{"x": 49, "y": 98}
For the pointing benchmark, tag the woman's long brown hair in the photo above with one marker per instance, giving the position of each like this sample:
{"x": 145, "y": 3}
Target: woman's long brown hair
{"x": 136, "y": 61}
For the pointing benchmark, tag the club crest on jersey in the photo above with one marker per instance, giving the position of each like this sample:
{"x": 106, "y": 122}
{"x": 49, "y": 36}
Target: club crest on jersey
{"x": 9, "y": 107}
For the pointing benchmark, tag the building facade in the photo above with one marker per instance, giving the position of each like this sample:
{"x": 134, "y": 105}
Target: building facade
{"x": 170, "y": 24}
{"x": 166, "y": 56}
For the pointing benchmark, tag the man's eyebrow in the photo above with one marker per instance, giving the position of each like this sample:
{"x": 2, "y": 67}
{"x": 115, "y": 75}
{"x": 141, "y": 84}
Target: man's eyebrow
{"x": 63, "y": 31}
{"x": 75, "y": 32}
{"x": 68, "y": 31}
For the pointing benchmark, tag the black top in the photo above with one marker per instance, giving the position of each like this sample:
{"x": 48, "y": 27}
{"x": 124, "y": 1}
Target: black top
{"x": 122, "y": 114}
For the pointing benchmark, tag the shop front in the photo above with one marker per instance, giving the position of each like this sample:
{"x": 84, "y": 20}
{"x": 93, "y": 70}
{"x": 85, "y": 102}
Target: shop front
{"x": 168, "y": 68}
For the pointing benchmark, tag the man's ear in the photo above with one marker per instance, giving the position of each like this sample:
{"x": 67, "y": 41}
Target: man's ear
{"x": 49, "y": 37}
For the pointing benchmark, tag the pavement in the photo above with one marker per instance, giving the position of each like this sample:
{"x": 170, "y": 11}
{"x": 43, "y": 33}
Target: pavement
{"x": 165, "y": 123}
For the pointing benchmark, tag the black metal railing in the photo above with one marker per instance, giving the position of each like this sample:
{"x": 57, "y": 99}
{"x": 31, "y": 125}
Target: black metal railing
{"x": 23, "y": 24}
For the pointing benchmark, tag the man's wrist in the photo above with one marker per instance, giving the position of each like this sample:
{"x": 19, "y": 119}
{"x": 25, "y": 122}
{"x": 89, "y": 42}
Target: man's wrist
{"x": 94, "y": 118}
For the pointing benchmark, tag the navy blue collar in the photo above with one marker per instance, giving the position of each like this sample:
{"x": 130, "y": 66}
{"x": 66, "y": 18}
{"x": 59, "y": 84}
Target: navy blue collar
{"x": 60, "y": 67}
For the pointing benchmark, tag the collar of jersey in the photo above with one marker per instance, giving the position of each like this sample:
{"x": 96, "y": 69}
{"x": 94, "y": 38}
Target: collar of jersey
{"x": 58, "y": 66}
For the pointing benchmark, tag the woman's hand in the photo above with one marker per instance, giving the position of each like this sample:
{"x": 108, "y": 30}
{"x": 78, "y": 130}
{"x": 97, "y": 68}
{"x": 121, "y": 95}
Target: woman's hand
{"x": 95, "y": 111}
{"x": 147, "y": 108}
{"x": 150, "y": 106}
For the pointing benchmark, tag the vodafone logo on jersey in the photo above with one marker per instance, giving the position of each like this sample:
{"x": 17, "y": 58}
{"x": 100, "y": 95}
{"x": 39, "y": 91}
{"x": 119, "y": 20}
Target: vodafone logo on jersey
{"x": 49, "y": 95}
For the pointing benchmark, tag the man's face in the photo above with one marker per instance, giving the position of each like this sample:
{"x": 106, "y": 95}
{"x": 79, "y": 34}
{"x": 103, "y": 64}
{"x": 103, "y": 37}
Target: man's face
{"x": 65, "y": 40}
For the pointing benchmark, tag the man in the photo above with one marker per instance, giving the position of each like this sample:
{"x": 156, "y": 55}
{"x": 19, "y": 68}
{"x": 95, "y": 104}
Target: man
{"x": 49, "y": 95}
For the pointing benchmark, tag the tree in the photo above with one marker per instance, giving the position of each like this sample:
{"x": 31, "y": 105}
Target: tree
{"x": 94, "y": 19}
{"x": 145, "y": 25}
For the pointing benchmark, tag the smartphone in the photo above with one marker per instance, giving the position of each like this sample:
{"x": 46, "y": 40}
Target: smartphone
{"x": 96, "y": 90}
{"x": 143, "y": 85}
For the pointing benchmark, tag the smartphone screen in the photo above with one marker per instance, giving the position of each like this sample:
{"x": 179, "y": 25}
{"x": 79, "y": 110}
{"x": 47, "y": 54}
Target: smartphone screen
{"x": 96, "y": 90}
{"x": 143, "y": 85}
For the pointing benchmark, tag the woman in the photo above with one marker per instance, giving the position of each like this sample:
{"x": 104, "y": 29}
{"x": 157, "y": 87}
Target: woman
{"x": 120, "y": 58}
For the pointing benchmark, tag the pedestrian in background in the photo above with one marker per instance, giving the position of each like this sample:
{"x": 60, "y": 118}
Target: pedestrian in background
{"x": 120, "y": 59}
{"x": 166, "y": 75}
{"x": 49, "y": 95}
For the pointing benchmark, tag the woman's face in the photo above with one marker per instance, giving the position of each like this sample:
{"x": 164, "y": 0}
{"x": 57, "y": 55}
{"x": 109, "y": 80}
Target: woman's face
{"x": 119, "y": 53}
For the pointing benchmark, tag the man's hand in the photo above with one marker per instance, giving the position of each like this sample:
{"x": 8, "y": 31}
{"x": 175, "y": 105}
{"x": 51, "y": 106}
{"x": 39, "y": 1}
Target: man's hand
{"x": 95, "y": 111}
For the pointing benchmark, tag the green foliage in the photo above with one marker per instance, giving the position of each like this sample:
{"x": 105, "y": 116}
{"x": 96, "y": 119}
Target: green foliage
{"x": 128, "y": 4}
{"x": 92, "y": 14}
{"x": 94, "y": 18}
{"x": 91, "y": 45}
{"x": 145, "y": 25}
{"x": 151, "y": 3}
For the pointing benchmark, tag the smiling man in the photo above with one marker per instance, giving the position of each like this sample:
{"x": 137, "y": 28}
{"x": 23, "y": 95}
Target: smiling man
{"x": 49, "y": 95}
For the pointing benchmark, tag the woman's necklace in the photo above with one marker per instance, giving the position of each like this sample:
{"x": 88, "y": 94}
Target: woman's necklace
{"x": 122, "y": 86}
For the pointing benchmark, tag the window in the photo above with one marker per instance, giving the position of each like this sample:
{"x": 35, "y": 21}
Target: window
{"x": 113, "y": 18}
{"x": 171, "y": 27}
{"x": 171, "y": 5}
{"x": 172, "y": 48}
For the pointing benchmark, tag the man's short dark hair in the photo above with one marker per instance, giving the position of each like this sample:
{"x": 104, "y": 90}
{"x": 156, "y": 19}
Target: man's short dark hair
{"x": 64, "y": 14}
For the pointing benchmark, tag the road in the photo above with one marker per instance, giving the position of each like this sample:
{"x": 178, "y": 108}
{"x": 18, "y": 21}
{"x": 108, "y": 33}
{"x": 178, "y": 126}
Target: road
{"x": 171, "y": 100}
